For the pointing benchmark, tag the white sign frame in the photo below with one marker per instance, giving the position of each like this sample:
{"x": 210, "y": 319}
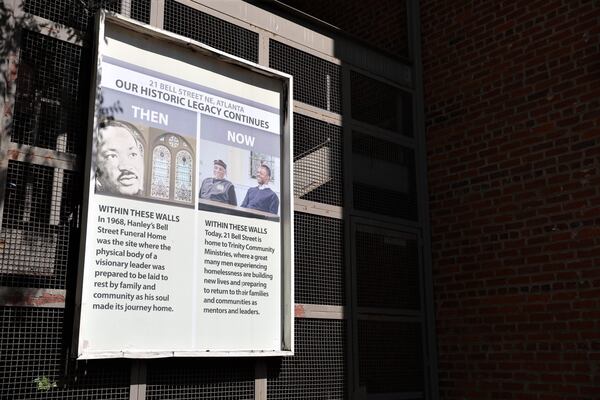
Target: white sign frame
{"x": 185, "y": 48}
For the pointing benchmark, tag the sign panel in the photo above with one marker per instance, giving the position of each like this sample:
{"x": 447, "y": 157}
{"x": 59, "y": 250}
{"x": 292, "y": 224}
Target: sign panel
{"x": 187, "y": 221}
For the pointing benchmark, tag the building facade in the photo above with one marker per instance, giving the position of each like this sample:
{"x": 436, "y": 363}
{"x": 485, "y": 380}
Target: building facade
{"x": 445, "y": 185}
{"x": 363, "y": 310}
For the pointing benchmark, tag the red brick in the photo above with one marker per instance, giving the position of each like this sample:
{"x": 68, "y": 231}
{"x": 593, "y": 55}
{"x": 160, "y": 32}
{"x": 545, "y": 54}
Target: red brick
{"x": 520, "y": 93}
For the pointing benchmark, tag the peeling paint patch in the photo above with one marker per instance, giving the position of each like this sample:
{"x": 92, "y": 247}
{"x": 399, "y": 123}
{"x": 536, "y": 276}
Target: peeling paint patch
{"x": 30, "y": 297}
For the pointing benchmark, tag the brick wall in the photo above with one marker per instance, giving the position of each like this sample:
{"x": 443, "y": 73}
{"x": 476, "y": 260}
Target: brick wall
{"x": 512, "y": 97}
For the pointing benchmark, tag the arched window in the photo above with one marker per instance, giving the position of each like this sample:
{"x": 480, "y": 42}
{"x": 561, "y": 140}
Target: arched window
{"x": 172, "y": 167}
{"x": 183, "y": 176}
{"x": 161, "y": 172}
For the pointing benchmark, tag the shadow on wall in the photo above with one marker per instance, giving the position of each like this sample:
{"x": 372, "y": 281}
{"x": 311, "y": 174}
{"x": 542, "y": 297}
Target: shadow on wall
{"x": 38, "y": 109}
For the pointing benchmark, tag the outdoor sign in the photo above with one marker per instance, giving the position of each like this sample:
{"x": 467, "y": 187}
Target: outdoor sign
{"x": 187, "y": 222}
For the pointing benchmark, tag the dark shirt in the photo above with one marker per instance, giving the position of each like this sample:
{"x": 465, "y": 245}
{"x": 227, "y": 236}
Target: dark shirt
{"x": 263, "y": 200}
{"x": 220, "y": 190}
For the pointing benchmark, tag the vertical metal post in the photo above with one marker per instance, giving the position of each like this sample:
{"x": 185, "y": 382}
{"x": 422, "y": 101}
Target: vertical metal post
{"x": 125, "y": 8}
{"x": 429, "y": 344}
{"x": 260, "y": 380}
{"x": 328, "y": 92}
{"x": 137, "y": 387}
{"x": 8, "y": 76}
{"x": 57, "y": 183}
{"x": 263, "y": 49}
{"x": 351, "y": 325}
{"x": 157, "y": 13}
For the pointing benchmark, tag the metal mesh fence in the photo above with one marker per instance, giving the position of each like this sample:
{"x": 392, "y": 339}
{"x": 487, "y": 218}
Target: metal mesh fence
{"x": 32, "y": 361}
{"x": 384, "y": 177}
{"x": 317, "y": 370}
{"x": 39, "y": 210}
{"x": 71, "y": 13}
{"x": 390, "y": 356}
{"x": 317, "y": 161}
{"x": 387, "y": 270}
{"x": 318, "y": 255}
{"x": 316, "y": 81}
{"x": 76, "y": 13}
{"x": 213, "y": 31}
{"x": 140, "y": 10}
{"x": 380, "y": 104}
{"x": 36, "y": 226}
{"x": 47, "y": 108}
{"x": 230, "y": 378}
{"x": 382, "y": 23}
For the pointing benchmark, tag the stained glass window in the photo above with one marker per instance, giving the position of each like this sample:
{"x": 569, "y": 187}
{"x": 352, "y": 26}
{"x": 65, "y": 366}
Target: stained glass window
{"x": 174, "y": 141}
{"x": 183, "y": 176}
{"x": 161, "y": 172}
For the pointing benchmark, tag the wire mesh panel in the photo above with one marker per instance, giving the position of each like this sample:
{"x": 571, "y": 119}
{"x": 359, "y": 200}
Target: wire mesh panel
{"x": 317, "y": 161}
{"x": 380, "y": 104}
{"x": 212, "y": 378}
{"x": 387, "y": 269}
{"x": 205, "y": 28}
{"x": 36, "y": 226}
{"x": 316, "y": 81}
{"x": 48, "y": 112}
{"x": 317, "y": 370}
{"x": 381, "y": 23}
{"x": 140, "y": 10}
{"x": 318, "y": 260}
{"x": 390, "y": 356}
{"x": 33, "y": 366}
{"x": 39, "y": 212}
{"x": 384, "y": 177}
{"x": 73, "y": 13}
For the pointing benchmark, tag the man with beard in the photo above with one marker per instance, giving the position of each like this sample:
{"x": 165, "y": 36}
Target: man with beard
{"x": 119, "y": 159}
{"x": 218, "y": 188}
